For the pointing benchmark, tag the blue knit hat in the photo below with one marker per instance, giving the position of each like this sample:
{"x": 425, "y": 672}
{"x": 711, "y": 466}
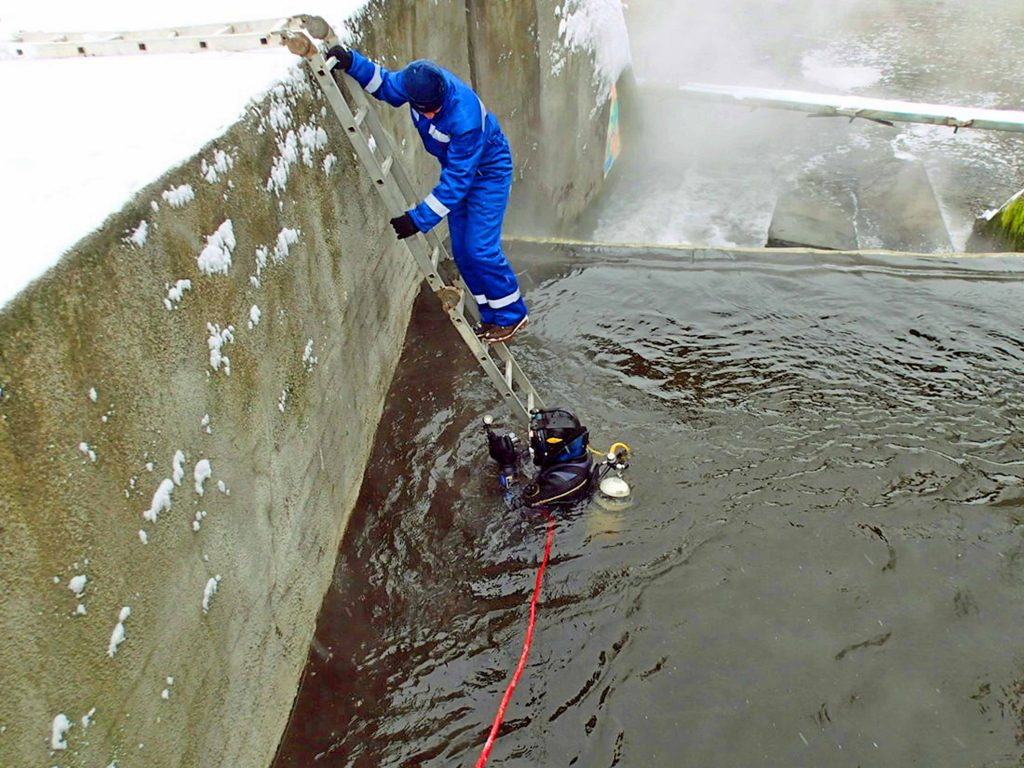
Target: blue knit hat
{"x": 424, "y": 82}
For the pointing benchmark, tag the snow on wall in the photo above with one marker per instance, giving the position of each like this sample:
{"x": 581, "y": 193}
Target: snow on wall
{"x": 597, "y": 26}
{"x": 177, "y": 104}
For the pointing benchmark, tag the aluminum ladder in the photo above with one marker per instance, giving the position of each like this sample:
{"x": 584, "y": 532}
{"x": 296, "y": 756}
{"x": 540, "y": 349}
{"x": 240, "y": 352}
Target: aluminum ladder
{"x": 373, "y": 145}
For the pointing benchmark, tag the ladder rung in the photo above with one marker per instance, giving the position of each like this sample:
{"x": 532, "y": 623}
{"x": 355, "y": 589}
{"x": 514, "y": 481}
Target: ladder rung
{"x": 435, "y": 256}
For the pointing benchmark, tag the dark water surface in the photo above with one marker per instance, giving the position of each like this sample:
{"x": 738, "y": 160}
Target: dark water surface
{"x": 824, "y": 564}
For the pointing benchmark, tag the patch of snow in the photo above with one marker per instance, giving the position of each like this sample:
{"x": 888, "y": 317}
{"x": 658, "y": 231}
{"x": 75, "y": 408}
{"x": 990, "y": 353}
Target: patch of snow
{"x": 205, "y": 424}
{"x": 178, "y": 467}
{"x": 329, "y": 162}
{"x": 262, "y": 253}
{"x": 285, "y": 239}
{"x": 81, "y": 610}
{"x": 143, "y": 537}
{"x": 179, "y": 197}
{"x": 138, "y": 237}
{"x": 598, "y": 26}
{"x": 86, "y": 451}
{"x": 289, "y": 153}
{"x": 222, "y": 163}
{"x": 87, "y": 718}
{"x": 201, "y": 474}
{"x": 254, "y": 317}
{"x": 216, "y": 341}
{"x": 117, "y": 636}
{"x": 312, "y": 138}
{"x": 223, "y": 488}
{"x": 178, "y": 104}
{"x": 211, "y": 589}
{"x": 215, "y": 258}
{"x": 197, "y": 522}
{"x": 308, "y": 358}
{"x": 77, "y": 584}
{"x": 176, "y": 292}
{"x": 61, "y": 725}
{"x": 161, "y": 501}
{"x": 94, "y": 395}
{"x": 282, "y": 400}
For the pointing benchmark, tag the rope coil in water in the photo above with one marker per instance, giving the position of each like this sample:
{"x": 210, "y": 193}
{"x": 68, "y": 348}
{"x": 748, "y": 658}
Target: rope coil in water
{"x": 526, "y": 649}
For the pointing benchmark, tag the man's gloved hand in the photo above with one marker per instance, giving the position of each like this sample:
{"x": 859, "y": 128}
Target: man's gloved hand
{"x": 503, "y": 450}
{"x": 342, "y": 54}
{"x": 404, "y": 226}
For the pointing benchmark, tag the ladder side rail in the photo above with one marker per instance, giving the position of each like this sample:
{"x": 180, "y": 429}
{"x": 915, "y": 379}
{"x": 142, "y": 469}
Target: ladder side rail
{"x": 261, "y": 26}
{"x": 505, "y": 355}
{"x": 521, "y": 402}
{"x": 389, "y": 192}
{"x": 223, "y": 44}
{"x": 383, "y": 137}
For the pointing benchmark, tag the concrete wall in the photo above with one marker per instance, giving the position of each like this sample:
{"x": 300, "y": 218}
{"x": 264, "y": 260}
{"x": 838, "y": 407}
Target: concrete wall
{"x": 106, "y": 374}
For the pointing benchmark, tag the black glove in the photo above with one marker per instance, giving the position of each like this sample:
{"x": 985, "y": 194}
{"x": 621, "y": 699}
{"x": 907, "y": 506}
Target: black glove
{"x": 404, "y": 226}
{"x": 342, "y": 54}
{"x": 503, "y": 450}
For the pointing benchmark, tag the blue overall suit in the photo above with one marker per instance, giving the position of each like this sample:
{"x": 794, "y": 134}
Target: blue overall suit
{"x": 476, "y": 176}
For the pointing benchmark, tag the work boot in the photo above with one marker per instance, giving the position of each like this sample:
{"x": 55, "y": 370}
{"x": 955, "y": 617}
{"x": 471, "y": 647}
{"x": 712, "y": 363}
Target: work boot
{"x": 483, "y": 329}
{"x": 498, "y": 334}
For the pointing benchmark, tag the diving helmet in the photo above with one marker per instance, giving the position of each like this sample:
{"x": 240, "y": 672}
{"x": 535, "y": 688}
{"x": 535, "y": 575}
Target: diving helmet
{"x": 556, "y": 435}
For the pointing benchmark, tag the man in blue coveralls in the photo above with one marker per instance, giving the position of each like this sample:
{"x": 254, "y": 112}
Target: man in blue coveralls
{"x": 476, "y": 176}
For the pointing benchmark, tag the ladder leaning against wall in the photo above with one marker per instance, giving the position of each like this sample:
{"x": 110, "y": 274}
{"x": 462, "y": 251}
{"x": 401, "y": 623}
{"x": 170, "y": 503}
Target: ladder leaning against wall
{"x": 373, "y": 145}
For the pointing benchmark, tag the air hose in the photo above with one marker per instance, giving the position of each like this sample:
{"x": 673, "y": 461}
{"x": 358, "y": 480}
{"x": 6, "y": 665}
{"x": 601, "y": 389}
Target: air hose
{"x": 526, "y": 648}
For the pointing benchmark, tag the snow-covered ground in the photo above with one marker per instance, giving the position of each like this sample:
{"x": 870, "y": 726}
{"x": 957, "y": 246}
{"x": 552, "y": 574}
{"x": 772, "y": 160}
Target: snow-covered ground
{"x": 80, "y": 136}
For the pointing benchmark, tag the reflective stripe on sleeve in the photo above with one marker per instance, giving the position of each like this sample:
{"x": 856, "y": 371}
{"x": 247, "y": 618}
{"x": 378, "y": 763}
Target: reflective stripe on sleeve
{"x": 444, "y": 138}
{"x": 375, "y": 81}
{"x": 436, "y": 205}
{"x": 480, "y": 299}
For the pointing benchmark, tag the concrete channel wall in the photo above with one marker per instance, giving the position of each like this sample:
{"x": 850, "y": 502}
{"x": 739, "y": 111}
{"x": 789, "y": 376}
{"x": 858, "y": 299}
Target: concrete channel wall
{"x": 188, "y": 400}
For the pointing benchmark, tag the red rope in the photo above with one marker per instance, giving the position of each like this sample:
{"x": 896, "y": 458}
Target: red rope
{"x": 526, "y": 650}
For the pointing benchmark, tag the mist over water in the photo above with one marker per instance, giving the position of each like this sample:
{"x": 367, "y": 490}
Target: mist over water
{"x": 717, "y": 170}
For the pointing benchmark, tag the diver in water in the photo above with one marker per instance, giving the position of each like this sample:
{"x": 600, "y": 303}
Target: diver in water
{"x": 560, "y": 448}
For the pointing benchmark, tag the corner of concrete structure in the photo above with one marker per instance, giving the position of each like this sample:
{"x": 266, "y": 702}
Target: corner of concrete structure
{"x": 1000, "y": 230}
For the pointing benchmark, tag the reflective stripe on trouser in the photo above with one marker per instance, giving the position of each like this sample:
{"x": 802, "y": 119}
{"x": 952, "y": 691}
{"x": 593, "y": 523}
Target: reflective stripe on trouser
{"x": 475, "y": 228}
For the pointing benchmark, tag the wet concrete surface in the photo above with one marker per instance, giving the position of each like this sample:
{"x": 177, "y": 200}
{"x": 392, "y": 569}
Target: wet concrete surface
{"x": 823, "y": 564}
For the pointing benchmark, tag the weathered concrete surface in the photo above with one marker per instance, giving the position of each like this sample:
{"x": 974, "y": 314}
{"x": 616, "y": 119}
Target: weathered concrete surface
{"x": 548, "y": 97}
{"x": 804, "y": 219}
{"x": 868, "y": 201}
{"x": 290, "y": 427}
{"x": 1000, "y": 230}
{"x": 288, "y": 438}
